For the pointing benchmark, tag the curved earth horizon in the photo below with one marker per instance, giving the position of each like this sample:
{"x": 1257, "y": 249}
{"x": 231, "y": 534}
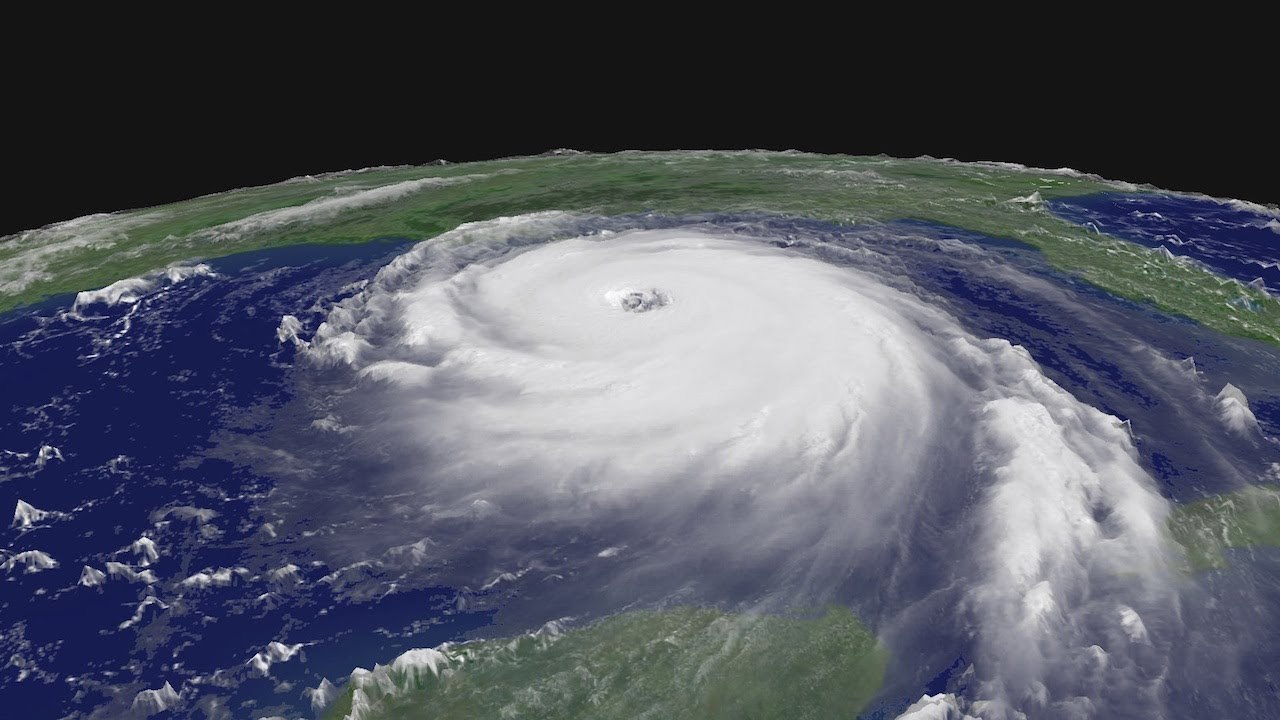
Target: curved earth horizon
{"x": 648, "y": 434}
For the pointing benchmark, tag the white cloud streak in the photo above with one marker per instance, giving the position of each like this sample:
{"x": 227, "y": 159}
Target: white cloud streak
{"x": 327, "y": 208}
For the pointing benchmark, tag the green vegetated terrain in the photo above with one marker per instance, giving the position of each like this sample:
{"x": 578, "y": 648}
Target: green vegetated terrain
{"x": 1242, "y": 519}
{"x": 421, "y": 202}
{"x": 694, "y": 663}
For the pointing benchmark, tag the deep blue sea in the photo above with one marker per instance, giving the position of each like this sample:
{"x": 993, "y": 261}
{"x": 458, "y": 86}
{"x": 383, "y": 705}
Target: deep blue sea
{"x": 133, "y": 396}
{"x": 1233, "y": 240}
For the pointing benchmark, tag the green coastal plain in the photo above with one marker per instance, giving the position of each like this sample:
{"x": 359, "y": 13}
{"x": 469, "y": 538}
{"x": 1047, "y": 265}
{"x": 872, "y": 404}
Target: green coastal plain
{"x": 694, "y": 663}
{"x": 422, "y": 202}
{"x": 1207, "y": 528}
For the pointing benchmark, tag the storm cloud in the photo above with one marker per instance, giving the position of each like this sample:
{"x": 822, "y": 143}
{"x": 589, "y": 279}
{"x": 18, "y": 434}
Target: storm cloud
{"x": 714, "y": 411}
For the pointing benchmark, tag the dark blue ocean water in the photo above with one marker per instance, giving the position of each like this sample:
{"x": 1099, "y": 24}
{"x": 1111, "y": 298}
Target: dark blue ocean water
{"x": 133, "y": 415}
{"x": 1234, "y": 240}
{"x": 146, "y": 403}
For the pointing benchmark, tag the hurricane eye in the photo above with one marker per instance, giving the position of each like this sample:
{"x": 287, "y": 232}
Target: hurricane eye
{"x": 637, "y": 301}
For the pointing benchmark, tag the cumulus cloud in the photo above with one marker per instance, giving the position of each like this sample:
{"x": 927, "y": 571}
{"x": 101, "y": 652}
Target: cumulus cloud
{"x": 131, "y": 290}
{"x": 208, "y": 578}
{"x": 760, "y": 413}
{"x": 145, "y": 548}
{"x": 32, "y": 561}
{"x": 140, "y": 612}
{"x": 935, "y": 707}
{"x": 1233, "y": 410}
{"x": 152, "y": 702}
{"x": 322, "y": 696}
{"x": 26, "y": 516}
{"x": 47, "y": 453}
{"x": 1068, "y": 512}
{"x": 1268, "y": 211}
{"x": 287, "y": 331}
{"x": 285, "y": 575}
{"x": 92, "y": 577}
{"x": 124, "y": 572}
{"x": 275, "y": 652}
{"x": 1033, "y": 199}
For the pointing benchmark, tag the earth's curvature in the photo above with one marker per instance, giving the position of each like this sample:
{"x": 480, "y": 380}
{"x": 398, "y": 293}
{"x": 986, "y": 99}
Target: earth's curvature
{"x": 663, "y": 435}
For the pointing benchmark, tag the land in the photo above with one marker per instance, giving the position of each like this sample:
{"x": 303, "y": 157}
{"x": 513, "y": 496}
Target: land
{"x": 1207, "y": 528}
{"x": 679, "y": 663}
{"x": 422, "y": 202}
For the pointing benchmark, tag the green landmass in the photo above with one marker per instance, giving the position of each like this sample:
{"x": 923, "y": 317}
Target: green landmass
{"x": 1242, "y": 519}
{"x": 95, "y": 252}
{"x": 694, "y": 663}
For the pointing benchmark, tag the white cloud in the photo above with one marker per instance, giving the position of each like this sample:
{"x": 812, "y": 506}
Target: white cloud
{"x": 208, "y": 577}
{"x": 120, "y": 570}
{"x": 26, "y": 516}
{"x": 91, "y": 577}
{"x": 152, "y": 702}
{"x": 31, "y": 561}
{"x": 1132, "y": 624}
{"x": 1233, "y": 410}
{"x": 285, "y": 575}
{"x": 287, "y": 331}
{"x": 145, "y": 548}
{"x": 140, "y": 611}
{"x": 131, "y": 290}
{"x": 275, "y": 652}
{"x": 322, "y": 696}
{"x": 1033, "y": 199}
{"x": 772, "y": 406}
{"x": 326, "y": 208}
{"x": 47, "y": 453}
{"x": 935, "y": 707}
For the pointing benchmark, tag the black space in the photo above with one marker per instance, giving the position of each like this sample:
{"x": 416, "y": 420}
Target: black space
{"x": 133, "y": 129}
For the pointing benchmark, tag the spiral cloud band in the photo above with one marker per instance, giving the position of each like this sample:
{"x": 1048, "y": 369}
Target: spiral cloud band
{"x": 708, "y": 406}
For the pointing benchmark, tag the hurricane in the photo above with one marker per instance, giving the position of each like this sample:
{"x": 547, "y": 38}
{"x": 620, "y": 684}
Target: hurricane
{"x": 713, "y": 408}
{"x": 592, "y": 461}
